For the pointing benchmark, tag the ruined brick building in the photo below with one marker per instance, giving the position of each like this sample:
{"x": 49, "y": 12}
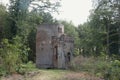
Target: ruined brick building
{"x": 54, "y": 49}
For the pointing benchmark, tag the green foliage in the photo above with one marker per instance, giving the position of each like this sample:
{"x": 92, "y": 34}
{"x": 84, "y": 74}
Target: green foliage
{"x": 2, "y": 71}
{"x": 91, "y": 39}
{"x": 12, "y": 54}
{"x": 100, "y": 66}
{"x": 4, "y": 23}
{"x": 18, "y": 32}
{"x": 113, "y": 71}
{"x": 105, "y": 16}
{"x": 100, "y": 34}
{"x": 24, "y": 68}
{"x": 70, "y": 30}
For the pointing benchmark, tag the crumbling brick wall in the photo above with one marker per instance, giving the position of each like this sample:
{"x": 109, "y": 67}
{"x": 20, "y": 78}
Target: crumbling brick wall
{"x": 53, "y": 48}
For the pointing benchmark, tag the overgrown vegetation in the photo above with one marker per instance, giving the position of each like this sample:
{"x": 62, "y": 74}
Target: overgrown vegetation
{"x": 102, "y": 66}
{"x": 18, "y": 30}
{"x": 97, "y": 41}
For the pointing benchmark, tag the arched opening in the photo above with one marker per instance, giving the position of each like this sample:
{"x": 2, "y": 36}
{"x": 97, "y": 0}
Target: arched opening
{"x": 56, "y": 52}
{"x": 55, "y": 56}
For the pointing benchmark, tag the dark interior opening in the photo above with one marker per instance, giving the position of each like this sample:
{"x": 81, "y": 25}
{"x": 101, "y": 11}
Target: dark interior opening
{"x": 68, "y": 56}
{"x": 56, "y": 52}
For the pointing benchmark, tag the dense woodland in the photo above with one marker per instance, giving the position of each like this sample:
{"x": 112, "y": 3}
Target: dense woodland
{"x": 99, "y": 37}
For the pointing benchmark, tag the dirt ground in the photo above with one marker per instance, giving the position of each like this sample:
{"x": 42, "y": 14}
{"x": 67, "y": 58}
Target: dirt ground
{"x": 52, "y": 75}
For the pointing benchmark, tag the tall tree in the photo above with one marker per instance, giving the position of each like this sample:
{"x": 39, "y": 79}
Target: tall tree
{"x": 26, "y": 14}
{"x": 108, "y": 14}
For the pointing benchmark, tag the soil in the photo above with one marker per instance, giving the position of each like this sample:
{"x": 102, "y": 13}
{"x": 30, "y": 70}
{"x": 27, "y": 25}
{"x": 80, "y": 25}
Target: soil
{"x": 52, "y": 75}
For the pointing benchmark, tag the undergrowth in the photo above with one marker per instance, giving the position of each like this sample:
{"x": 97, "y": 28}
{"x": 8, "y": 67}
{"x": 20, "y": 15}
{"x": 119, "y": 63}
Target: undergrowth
{"x": 101, "y": 66}
{"x": 21, "y": 69}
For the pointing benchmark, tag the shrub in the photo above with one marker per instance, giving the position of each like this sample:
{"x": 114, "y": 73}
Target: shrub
{"x": 2, "y": 71}
{"x": 12, "y": 54}
{"x": 26, "y": 67}
{"x": 113, "y": 72}
{"x": 100, "y": 66}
